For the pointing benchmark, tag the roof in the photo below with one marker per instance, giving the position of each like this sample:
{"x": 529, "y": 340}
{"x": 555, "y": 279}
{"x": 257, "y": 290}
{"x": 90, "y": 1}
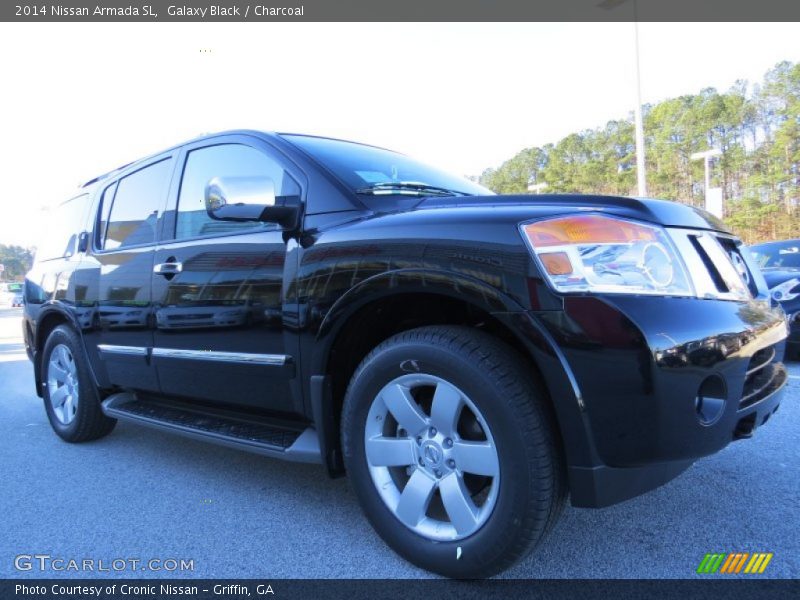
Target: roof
{"x": 256, "y": 132}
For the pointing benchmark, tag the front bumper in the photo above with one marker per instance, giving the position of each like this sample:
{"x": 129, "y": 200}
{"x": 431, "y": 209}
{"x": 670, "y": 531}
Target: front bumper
{"x": 793, "y": 341}
{"x": 663, "y": 382}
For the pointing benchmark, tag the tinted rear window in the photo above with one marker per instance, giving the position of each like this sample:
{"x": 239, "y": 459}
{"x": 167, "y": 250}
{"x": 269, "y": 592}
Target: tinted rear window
{"x": 134, "y": 212}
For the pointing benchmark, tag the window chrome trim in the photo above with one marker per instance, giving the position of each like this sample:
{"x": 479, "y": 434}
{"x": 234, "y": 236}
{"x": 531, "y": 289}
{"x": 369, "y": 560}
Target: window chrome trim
{"x": 227, "y": 357}
{"x": 125, "y": 350}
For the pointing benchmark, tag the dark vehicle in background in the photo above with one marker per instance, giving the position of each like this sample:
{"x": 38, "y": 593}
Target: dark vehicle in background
{"x": 780, "y": 264}
{"x": 469, "y": 360}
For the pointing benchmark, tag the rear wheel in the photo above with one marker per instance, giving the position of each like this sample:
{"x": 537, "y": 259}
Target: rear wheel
{"x": 451, "y": 450}
{"x": 70, "y": 398}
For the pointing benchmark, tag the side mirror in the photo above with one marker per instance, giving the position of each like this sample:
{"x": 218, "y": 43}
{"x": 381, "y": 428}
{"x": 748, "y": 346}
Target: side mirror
{"x": 250, "y": 199}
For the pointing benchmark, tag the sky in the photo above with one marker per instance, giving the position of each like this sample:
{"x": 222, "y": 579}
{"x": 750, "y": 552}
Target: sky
{"x": 81, "y": 99}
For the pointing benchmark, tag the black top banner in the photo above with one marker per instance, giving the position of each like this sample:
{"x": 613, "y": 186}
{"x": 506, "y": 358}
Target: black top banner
{"x": 401, "y": 10}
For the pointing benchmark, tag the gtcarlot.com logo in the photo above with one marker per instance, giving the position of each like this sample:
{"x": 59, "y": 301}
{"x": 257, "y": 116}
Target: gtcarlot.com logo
{"x": 735, "y": 562}
{"x": 46, "y": 562}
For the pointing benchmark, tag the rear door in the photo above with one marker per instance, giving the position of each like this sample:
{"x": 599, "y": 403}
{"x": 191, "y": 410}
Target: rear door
{"x": 125, "y": 236}
{"x": 218, "y": 287}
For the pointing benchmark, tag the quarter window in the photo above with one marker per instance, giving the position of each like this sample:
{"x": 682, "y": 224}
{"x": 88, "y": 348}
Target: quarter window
{"x": 64, "y": 224}
{"x": 134, "y": 211}
{"x": 224, "y": 160}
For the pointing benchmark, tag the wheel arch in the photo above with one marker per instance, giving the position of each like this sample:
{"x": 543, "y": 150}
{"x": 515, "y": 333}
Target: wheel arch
{"x": 51, "y": 316}
{"x": 404, "y": 282}
{"x": 388, "y": 304}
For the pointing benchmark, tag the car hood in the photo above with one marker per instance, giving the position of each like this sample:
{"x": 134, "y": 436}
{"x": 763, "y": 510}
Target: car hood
{"x": 775, "y": 277}
{"x": 663, "y": 212}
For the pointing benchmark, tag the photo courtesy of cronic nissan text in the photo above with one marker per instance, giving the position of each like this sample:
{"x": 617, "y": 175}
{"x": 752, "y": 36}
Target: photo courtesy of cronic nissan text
{"x": 359, "y": 298}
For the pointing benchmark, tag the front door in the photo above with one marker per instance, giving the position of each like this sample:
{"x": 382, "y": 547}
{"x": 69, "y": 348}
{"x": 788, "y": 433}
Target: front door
{"x": 218, "y": 289}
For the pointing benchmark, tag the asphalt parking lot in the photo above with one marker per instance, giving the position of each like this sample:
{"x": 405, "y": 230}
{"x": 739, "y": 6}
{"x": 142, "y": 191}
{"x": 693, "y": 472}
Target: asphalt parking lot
{"x": 147, "y": 495}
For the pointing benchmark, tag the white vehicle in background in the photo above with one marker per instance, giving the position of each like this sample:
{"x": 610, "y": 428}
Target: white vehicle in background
{"x": 10, "y": 293}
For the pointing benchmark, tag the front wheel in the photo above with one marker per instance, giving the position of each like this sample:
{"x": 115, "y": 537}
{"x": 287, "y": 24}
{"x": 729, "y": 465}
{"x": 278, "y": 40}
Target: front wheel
{"x": 70, "y": 398}
{"x": 451, "y": 450}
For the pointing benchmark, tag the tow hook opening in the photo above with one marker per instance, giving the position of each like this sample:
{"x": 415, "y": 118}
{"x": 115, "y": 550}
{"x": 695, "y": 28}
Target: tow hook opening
{"x": 709, "y": 404}
{"x": 744, "y": 428}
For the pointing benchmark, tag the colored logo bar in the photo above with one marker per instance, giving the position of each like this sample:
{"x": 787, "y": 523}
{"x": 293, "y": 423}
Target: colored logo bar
{"x": 735, "y": 562}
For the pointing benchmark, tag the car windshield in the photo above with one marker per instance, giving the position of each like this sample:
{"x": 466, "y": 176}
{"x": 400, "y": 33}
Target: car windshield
{"x": 783, "y": 255}
{"x": 375, "y": 171}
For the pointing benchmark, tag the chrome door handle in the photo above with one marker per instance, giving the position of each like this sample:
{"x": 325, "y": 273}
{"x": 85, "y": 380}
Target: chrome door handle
{"x": 168, "y": 268}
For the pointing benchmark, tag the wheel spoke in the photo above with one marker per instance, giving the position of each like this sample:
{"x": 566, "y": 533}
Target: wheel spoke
{"x": 58, "y": 396}
{"x": 390, "y": 452}
{"x": 458, "y": 504}
{"x": 445, "y": 408}
{"x": 57, "y": 371}
{"x": 479, "y": 458}
{"x": 63, "y": 357}
{"x": 403, "y": 408}
{"x": 70, "y": 364}
{"x": 69, "y": 408}
{"x": 415, "y": 499}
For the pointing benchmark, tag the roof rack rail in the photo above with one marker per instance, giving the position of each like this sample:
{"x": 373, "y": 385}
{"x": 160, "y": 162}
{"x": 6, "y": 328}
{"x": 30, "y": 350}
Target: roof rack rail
{"x": 104, "y": 175}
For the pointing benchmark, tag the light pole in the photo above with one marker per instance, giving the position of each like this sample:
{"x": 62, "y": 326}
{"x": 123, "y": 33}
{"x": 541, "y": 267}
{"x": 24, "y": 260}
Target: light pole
{"x": 713, "y": 202}
{"x": 641, "y": 174}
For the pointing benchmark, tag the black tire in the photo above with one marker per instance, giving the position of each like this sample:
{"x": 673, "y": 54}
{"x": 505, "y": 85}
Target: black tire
{"x": 793, "y": 352}
{"x": 498, "y": 381}
{"x": 89, "y": 422}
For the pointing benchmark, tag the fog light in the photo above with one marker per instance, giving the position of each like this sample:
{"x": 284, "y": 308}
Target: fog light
{"x": 710, "y": 401}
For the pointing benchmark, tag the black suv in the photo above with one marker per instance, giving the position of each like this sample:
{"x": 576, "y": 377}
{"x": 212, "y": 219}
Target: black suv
{"x": 469, "y": 360}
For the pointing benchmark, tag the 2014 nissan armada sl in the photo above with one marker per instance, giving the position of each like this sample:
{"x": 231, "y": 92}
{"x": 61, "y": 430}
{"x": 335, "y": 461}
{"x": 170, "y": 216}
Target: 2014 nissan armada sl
{"x": 469, "y": 360}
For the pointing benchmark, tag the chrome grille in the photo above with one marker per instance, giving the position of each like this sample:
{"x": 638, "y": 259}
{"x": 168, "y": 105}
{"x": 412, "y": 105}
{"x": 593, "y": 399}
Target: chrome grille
{"x": 717, "y": 265}
{"x": 733, "y": 248}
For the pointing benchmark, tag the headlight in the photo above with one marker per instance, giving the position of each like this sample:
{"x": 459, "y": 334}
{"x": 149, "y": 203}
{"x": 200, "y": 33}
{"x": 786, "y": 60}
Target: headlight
{"x": 596, "y": 253}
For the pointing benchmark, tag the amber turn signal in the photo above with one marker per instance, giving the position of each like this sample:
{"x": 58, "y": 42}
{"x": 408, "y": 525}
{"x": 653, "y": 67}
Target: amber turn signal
{"x": 586, "y": 229}
{"x": 556, "y": 263}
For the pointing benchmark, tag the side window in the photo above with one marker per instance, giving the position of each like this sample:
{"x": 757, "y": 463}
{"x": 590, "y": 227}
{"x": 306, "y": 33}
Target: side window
{"x": 134, "y": 211}
{"x": 64, "y": 223}
{"x": 225, "y": 160}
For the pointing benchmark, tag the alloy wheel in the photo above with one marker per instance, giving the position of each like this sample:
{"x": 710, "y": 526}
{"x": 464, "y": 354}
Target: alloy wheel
{"x": 62, "y": 384}
{"x": 432, "y": 457}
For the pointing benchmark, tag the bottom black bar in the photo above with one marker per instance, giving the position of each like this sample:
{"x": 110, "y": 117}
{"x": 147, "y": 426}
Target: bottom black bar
{"x": 577, "y": 589}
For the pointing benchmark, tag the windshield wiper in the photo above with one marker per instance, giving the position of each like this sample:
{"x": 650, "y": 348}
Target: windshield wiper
{"x": 408, "y": 188}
